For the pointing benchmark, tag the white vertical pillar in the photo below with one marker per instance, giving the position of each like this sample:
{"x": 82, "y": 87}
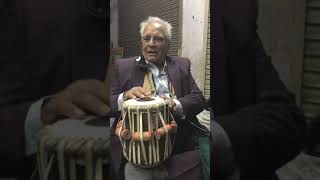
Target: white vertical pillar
{"x": 193, "y": 30}
{"x": 114, "y": 21}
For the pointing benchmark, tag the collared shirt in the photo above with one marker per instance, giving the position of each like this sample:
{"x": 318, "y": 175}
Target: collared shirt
{"x": 160, "y": 79}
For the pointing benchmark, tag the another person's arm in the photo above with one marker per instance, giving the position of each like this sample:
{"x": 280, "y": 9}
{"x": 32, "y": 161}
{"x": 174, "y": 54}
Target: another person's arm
{"x": 193, "y": 102}
{"x": 267, "y": 134}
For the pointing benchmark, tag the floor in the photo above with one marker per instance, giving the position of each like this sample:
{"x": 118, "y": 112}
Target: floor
{"x": 303, "y": 167}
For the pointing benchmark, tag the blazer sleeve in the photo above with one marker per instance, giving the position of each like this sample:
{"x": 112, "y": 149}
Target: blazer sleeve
{"x": 192, "y": 101}
{"x": 270, "y": 132}
{"x": 12, "y": 135}
{"x": 115, "y": 88}
{"x": 14, "y": 101}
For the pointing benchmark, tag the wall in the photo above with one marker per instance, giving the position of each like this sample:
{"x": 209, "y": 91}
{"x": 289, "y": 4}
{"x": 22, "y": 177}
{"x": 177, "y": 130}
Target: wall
{"x": 114, "y": 18}
{"x": 193, "y": 31}
{"x": 281, "y": 26}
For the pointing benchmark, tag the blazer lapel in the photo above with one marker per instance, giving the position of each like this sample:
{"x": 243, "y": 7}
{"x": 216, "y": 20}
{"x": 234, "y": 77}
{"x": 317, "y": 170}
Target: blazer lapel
{"x": 174, "y": 75}
{"x": 139, "y": 72}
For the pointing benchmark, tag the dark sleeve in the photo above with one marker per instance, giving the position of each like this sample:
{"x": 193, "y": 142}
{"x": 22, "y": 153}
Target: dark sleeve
{"x": 193, "y": 102}
{"x": 12, "y": 130}
{"x": 14, "y": 104}
{"x": 115, "y": 90}
{"x": 270, "y": 132}
{"x": 14, "y": 98}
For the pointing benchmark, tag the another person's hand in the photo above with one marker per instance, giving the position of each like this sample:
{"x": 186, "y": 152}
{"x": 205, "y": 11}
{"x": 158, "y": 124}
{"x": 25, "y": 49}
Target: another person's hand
{"x": 136, "y": 92}
{"x": 172, "y": 104}
{"x": 75, "y": 101}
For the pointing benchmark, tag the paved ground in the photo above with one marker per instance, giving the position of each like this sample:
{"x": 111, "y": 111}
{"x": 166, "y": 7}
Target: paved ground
{"x": 303, "y": 167}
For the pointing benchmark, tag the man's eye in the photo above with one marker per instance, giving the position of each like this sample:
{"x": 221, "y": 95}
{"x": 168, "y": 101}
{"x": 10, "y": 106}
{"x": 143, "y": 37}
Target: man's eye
{"x": 147, "y": 38}
{"x": 158, "y": 38}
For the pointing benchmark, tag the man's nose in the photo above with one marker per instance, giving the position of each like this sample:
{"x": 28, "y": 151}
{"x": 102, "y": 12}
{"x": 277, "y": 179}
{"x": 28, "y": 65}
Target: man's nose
{"x": 152, "y": 42}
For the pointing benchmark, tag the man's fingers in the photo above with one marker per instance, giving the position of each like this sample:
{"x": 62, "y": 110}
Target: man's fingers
{"x": 58, "y": 107}
{"x": 69, "y": 109}
{"x": 93, "y": 104}
{"x": 172, "y": 104}
{"x": 142, "y": 90}
{"x": 146, "y": 92}
{"x": 99, "y": 89}
{"x": 138, "y": 94}
{"x": 93, "y": 86}
{"x": 76, "y": 99}
{"x": 128, "y": 95}
{"x": 131, "y": 96}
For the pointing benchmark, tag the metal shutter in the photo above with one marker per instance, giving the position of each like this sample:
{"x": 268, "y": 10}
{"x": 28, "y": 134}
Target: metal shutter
{"x": 132, "y": 12}
{"x": 207, "y": 70}
{"x": 311, "y": 75}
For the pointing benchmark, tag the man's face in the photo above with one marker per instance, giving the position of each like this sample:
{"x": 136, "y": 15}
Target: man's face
{"x": 154, "y": 44}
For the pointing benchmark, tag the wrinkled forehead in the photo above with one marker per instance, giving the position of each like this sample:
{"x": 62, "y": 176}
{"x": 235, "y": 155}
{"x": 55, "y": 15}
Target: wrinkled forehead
{"x": 154, "y": 28}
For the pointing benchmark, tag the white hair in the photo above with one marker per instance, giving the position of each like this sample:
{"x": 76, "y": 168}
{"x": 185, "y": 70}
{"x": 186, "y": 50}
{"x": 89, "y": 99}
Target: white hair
{"x": 158, "y": 23}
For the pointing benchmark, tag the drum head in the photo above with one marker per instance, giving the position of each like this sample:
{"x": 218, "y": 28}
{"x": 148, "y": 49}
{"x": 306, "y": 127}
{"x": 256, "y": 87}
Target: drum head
{"x": 79, "y": 128}
{"x": 145, "y": 99}
{"x": 144, "y": 102}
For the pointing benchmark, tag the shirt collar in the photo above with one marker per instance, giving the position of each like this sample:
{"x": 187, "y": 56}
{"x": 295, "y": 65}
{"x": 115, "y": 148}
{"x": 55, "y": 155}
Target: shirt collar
{"x": 153, "y": 66}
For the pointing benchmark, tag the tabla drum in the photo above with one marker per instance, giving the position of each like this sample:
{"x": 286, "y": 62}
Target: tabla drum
{"x": 146, "y": 131}
{"x": 73, "y": 143}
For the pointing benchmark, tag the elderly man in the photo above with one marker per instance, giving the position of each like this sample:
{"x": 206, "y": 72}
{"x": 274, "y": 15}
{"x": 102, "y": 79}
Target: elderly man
{"x": 171, "y": 79}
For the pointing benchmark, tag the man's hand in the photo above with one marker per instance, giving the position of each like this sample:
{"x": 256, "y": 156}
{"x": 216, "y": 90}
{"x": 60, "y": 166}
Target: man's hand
{"x": 78, "y": 99}
{"x": 172, "y": 104}
{"x": 136, "y": 92}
